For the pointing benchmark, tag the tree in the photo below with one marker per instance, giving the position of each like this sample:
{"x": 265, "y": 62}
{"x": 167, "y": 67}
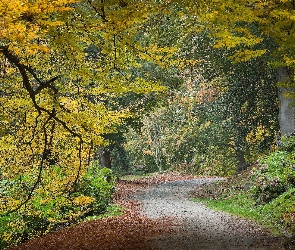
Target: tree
{"x": 231, "y": 22}
{"x": 247, "y": 100}
{"x": 242, "y": 118}
{"x": 62, "y": 62}
{"x": 65, "y": 63}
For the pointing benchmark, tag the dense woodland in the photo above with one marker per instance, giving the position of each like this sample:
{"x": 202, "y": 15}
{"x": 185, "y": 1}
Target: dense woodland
{"x": 95, "y": 89}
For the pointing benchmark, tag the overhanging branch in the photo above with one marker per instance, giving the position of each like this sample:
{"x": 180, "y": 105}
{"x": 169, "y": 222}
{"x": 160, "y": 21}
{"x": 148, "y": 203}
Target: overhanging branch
{"x": 23, "y": 69}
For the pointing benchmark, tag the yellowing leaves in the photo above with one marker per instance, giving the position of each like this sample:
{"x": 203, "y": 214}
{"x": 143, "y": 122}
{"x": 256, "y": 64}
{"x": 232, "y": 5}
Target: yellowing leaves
{"x": 246, "y": 55}
{"x": 257, "y": 135}
{"x": 83, "y": 200}
{"x": 228, "y": 40}
{"x": 63, "y": 69}
{"x": 24, "y": 22}
{"x": 184, "y": 63}
{"x": 258, "y": 19}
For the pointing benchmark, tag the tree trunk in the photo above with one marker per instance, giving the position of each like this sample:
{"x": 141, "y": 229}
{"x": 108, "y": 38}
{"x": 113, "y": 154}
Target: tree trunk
{"x": 287, "y": 108}
{"x": 105, "y": 159}
{"x": 242, "y": 164}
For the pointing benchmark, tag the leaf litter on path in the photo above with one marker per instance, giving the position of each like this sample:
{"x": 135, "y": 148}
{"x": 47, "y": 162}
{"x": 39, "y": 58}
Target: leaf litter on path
{"x": 128, "y": 231}
{"x": 156, "y": 216}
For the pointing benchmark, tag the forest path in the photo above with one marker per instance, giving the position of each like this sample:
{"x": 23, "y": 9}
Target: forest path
{"x": 159, "y": 215}
{"x": 196, "y": 226}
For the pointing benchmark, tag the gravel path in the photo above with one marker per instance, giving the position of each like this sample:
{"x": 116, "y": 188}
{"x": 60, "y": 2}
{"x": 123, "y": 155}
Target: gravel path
{"x": 198, "y": 227}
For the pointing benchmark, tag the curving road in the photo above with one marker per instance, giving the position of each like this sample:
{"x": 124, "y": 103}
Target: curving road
{"x": 198, "y": 227}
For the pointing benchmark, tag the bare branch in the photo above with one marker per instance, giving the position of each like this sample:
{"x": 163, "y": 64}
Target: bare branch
{"x": 101, "y": 13}
{"x": 39, "y": 177}
{"x": 23, "y": 70}
{"x": 26, "y": 82}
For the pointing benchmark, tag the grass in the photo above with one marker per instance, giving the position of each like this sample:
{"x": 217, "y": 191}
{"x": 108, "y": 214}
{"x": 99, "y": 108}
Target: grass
{"x": 133, "y": 177}
{"x": 239, "y": 205}
{"x": 242, "y": 206}
{"x": 112, "y": 210}
{"x": 234, "y": 196}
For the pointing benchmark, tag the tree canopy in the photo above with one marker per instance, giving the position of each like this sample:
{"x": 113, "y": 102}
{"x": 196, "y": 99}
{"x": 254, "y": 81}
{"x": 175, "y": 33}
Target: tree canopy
{"x": 61, "y": 61}
{"x": 232, "y": 23}
{"x": 70, "y": 69}
{"x": 63, "y": 64}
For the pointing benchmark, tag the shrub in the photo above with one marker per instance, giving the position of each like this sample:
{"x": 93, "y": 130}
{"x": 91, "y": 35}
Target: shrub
{"x": 98, "y": 186}
{"x": 287, "y": 143}
{"x": 281, "y": 211}
{"x": 273, "y": 176}
{"x": 47, "y": 210}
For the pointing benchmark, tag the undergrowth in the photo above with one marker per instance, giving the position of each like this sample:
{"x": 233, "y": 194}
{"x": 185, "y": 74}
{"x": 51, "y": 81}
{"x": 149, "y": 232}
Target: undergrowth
{"x": 264, "y": 193}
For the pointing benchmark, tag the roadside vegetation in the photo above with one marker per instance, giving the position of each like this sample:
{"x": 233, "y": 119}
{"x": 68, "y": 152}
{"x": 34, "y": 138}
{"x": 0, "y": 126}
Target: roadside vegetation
{"x": 94, "y": 90}
{"x": 48, "y": 212}
{"x": 265, "y": 192}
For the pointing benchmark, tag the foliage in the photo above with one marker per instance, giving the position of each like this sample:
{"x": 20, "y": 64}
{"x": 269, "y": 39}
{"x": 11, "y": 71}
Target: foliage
{"x": 177, "y": 135}
{"x": 126, "y": 228}
{"x": 67, "y": 65}
{"x": 120, "y": 164}
{"x": 64, "y": 65}
{"x": 97, "y": 184}
{"x": 264, "y": 193}
{"x": 280, "y": 211}
{"x": 213, "y": 122}
{"x": 243, "y": 206}
{"x": 245, "y": 92}
{"x": 273, "y": 176}
{"x": 232, "y": 102}
{"x": 231, "y": 22}
{"x": 46, "y": 211}
{"x": 287, "y": 143}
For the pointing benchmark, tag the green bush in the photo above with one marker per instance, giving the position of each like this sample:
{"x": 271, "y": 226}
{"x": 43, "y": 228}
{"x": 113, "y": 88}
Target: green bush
{"x": 281, "y": 211}
{"x": 99, "y": 185}
{"x": 287, "y": 143}
{"x": 273, "y": 176}
{"x": 46, "y": 210}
